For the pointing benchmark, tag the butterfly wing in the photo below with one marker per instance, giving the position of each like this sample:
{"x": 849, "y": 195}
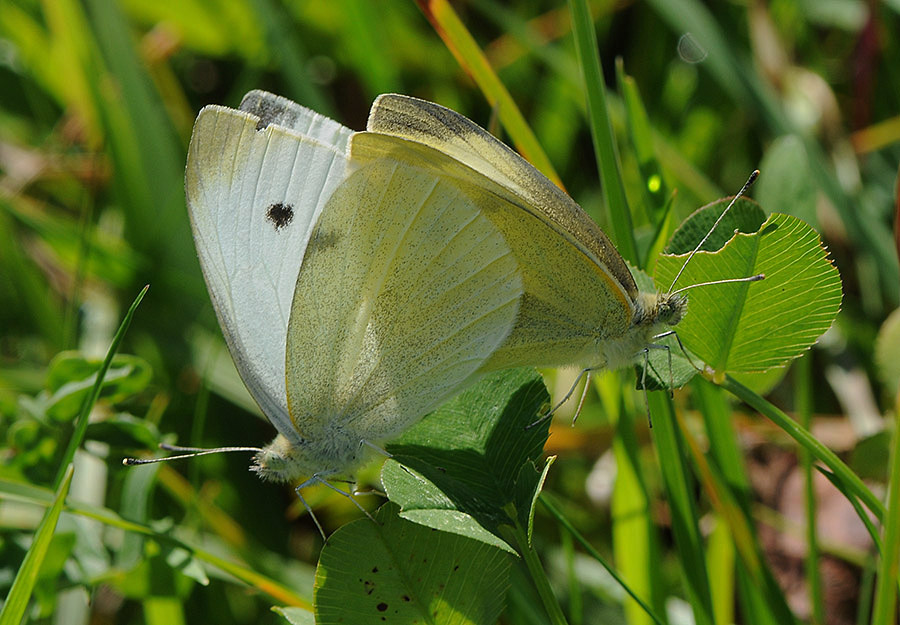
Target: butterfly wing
{"x": 255, "y": 182}
{"x": 462, "y": 139}
{"x": 571, "y": 301}
{"x": 405, "y": 290}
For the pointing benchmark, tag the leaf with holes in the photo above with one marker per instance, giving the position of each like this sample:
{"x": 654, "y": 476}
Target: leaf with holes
{"x": 395, "y": 571}
{"x": 747, "y": 327}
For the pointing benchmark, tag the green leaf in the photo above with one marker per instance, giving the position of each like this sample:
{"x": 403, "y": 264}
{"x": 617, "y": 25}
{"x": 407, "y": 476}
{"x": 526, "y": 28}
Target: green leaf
{"x": 394, "y": 571}
{"x": 745, "y": 216}
{"x": 124, "y": 431}
{"x": 463, "y": 462}
{"x": 17, "y": 601}
{"x": 887, "y": 346}
{"x": 296, "y": 616}
{"x": 71, "y": 378}
{"x": 746, "y": 327}
{"x": 787, "y": 184}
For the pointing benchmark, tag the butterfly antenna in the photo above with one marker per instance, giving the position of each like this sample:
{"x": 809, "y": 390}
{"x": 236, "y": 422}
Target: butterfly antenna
{"x": 743, "y": 190}
{"x": 192, "y": 452}
{"x": 756, "y": 278}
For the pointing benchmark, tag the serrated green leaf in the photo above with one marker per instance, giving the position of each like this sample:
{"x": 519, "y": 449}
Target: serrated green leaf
{"x": 747, "y": 327}
{"x": 466, "y": 457}
{"x": 395, "y": 571}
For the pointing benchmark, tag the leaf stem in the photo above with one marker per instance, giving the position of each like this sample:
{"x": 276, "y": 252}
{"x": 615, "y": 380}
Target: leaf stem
{"x": 538, "y": 576}
{"x": 809, "y": 442}
{"x": 552, "y": 508}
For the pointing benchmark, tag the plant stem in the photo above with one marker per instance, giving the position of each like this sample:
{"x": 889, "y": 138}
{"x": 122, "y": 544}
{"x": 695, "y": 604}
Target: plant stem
{"x": 847, "y": 477}
{"x": 538, "y": 576}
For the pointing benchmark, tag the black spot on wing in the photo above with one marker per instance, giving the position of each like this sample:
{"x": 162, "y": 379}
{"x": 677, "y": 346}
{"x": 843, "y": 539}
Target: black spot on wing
{"x": 280, "y": 215}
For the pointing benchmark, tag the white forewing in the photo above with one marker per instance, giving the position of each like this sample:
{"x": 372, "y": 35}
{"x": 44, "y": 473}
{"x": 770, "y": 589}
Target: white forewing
{"x": 256, "y": 182}
{"x": 276, "y": 110}
{"x": 405, "y": 291}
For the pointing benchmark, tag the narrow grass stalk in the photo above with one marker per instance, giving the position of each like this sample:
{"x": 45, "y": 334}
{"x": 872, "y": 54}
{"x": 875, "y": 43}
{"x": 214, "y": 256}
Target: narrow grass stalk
{"x": 800, "y": 434}
{"x": 554, "y": 510}
{"x": 35, "y": 495}
{"x": 82, "y": 422}
{"x": 19, "y": 595}
{"x": 601, "y": 130}
{"x": 804, "y": 400}
{"x": 885, "y": 608}
{"x": 463, "y": 46}
{"x": 538, "y": 576}
{"x": 679, "y": 488}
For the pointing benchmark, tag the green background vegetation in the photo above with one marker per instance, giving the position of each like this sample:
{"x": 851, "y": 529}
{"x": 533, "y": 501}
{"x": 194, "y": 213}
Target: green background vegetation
{"x": 97, "y": 99}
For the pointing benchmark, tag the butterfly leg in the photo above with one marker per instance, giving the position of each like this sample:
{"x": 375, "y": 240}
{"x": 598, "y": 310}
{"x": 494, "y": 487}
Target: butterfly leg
{"x": 371, "y": 445}
{"x": 549, "y": 413}
{"x": 318, "y": 479}
{"x": 309, "y": 509}
{"x": 674, "y": 333}
{"x": 647, "y": 365}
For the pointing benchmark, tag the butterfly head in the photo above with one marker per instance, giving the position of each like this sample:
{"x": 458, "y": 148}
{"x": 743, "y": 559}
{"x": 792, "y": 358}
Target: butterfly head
{"x": 671, "y": 308}
{"x": 653, "y": 309}
{"x": 332, "y": 452}
{"x": 280, "y": 461}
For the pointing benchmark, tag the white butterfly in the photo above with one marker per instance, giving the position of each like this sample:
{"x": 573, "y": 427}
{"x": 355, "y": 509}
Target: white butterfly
{"x": 361, "y": 279}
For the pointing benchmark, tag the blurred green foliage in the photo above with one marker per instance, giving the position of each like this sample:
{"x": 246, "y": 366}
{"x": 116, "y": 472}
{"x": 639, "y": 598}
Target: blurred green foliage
{"x": 97, "y": 99}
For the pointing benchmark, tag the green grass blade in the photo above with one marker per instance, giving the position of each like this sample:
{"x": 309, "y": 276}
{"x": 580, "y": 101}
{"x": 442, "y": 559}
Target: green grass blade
{"x": 82, "y": 421}
{"x": 635, "y": 541}
{"x": 742, "y": 530}
{"x": 601, "y": 131}
{"x": 885, "y": 609}
{"x": 470, "y": 57}
{"x": 17, "y": 602}
{"x": 735, "y": 515}
{"x": 654, "y": 190}
{"x": 803, "y": 389}
{"x": 554, "y": 510}
{"x": 281, "y": 36}
{"x": 539, "y": 576}
{"x": 849, "y": 480}
{"x": 26, "y": 493}
{"x": 679, "y": 486}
